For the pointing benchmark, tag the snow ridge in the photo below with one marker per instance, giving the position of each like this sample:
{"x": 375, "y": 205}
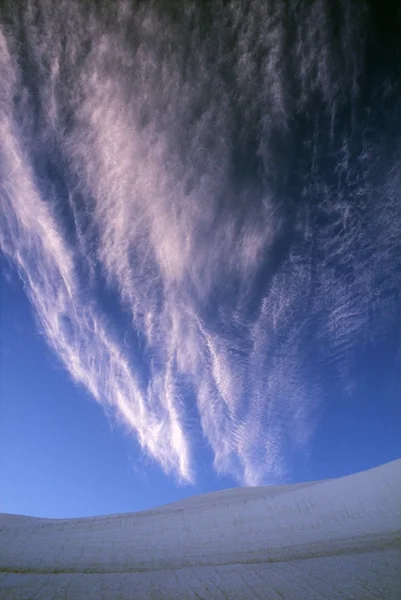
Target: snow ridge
{"x": 325, "y": 539}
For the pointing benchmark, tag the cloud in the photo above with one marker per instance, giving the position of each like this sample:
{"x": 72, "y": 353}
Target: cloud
{"x": 212, "y": 175}
{"x": 33, "y": 239}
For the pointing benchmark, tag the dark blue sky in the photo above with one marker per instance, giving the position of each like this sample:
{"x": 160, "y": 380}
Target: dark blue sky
{"x": 201, "y": 238}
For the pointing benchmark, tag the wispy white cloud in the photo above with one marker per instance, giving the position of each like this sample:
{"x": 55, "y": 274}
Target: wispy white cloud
{"x": 206, "y": 192}
{"x": 32, "y": 238}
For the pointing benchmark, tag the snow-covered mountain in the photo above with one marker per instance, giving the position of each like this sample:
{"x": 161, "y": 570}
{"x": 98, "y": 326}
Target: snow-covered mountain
{"x": 338, "y": 538}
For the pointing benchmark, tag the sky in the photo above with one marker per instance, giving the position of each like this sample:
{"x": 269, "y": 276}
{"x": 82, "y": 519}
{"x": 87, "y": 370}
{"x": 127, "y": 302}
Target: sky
{"x": 200, "y": 244}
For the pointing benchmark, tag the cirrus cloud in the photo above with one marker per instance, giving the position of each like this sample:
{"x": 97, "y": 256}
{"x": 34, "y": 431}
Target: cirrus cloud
{"x": 214, "y": 175}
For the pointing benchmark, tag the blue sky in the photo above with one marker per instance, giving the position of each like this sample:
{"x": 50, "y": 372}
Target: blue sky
{"x": 201, "y": 251}
{"x": 60, "y": 456}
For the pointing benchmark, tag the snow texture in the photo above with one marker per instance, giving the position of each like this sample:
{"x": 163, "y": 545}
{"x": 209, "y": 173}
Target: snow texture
{"x": 338, "y": 538}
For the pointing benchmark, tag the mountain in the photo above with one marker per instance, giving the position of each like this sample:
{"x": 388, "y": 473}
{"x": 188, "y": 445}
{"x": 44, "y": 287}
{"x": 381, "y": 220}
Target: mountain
{"x": 332, "y": 539}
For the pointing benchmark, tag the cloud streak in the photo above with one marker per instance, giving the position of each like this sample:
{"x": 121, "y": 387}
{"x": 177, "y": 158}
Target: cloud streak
{"x": 213, "y": 174}
{"x": 73, "y": 327}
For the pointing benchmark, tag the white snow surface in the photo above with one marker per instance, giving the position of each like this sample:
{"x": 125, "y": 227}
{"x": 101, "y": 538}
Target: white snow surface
{"x": 338, "y": 538}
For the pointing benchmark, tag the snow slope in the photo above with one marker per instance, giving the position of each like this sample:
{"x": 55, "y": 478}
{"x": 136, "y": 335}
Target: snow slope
{"x": 337, "y": 538}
